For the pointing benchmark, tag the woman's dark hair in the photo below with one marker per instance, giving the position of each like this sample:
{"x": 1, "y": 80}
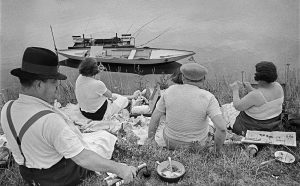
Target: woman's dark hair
{"x": 88, "y": 67}
{"x": 176, "y": 77}
{"x": 265, "y": 71}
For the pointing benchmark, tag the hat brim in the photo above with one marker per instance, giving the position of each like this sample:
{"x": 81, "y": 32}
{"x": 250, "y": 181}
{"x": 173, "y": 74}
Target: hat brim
{"x": 194, "y": 80}
{"x": 22, "y": 74}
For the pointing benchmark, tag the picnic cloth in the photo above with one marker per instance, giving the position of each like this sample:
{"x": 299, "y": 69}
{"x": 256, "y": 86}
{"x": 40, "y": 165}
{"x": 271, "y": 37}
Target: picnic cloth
{"x": 138, "y": 125}
{"x": 101, "y": 142}
{"x": 229, "y": 114}
{"x": 114, "y": 123}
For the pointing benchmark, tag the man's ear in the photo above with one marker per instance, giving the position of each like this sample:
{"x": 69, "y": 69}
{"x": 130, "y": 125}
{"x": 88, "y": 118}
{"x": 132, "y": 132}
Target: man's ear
{"x": 38, "y": 84}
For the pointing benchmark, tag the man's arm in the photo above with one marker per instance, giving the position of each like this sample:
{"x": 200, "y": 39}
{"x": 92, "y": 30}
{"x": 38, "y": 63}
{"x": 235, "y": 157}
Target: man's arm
{"x": 92, "y": 161}
{"x": 220, "y": 133}
{"x": 154, "y": 122}
{"x": 67, "y": 142}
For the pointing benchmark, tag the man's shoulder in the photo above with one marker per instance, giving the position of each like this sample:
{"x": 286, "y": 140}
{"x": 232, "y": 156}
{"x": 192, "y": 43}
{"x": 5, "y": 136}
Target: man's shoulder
{"x": 200, "y": 91}
{"x": 28, "y": 110}
{"x": 53, "y": 122}
{"x": 174, "y": 87}
{"x": 23, "y": 113}
{"x": 7, "y": 103}
{"x": 4, "y": 109}
{"x": 205, "y": 93}
{"x": 53, "y": 116}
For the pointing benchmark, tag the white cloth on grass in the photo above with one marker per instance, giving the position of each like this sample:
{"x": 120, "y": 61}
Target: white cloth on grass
{"x": 101, "y": 142}
{"x": 116, "y": 106}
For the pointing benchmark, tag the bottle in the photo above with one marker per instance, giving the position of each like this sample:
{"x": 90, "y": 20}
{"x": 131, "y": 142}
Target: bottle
{"x": 252, "y": 150}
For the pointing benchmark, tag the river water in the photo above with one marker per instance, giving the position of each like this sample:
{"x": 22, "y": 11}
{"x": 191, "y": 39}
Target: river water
{"x": 227, "y": 36}
{"x": 27, "y": 23}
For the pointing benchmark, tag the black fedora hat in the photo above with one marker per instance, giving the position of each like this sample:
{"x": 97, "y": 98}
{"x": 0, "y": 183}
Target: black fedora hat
{"x": 39, "y": 63}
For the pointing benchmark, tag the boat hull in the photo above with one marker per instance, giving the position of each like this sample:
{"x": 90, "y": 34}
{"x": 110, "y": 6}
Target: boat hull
{"x": 139, "y": 56}
{"x": 161, "y": 68}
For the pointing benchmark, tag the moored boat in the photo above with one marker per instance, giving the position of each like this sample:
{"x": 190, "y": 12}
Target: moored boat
{"x": 121, "y": 51}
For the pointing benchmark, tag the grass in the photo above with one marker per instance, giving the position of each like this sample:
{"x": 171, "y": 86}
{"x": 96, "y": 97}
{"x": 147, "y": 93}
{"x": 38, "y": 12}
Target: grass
{"x": 232, "y": 167}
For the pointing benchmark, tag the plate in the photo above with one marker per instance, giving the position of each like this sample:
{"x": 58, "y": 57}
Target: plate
{"x": 284, "y": 157}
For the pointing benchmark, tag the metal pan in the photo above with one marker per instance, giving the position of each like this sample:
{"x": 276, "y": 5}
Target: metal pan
{"x": 177, "y": 174}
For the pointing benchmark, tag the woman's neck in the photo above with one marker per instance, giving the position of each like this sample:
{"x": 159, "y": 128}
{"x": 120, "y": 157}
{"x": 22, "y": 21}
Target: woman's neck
{"x": 264, "y": 84}
{"x": 90, "y": 76}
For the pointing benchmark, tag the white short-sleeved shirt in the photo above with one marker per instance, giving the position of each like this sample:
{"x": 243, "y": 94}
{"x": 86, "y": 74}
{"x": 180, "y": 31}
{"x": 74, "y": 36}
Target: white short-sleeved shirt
{"x": 89, "y": 93}
{"x": 46, "y": 141}
{"x": 187, "y": 108}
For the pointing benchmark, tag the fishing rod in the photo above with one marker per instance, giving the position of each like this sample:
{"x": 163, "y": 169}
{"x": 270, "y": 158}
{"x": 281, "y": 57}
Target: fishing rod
{"x": 53, "y": 41}
{"x": 129, "y": 29}
{"x": 155, "y": 37}
{"x": 144, "y": 26}
{"x": 60, "y": 84}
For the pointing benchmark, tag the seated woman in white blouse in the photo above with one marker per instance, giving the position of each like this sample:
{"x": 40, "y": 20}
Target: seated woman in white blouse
{"x": 261, "y": 108}
{"x": 93, "y": 97}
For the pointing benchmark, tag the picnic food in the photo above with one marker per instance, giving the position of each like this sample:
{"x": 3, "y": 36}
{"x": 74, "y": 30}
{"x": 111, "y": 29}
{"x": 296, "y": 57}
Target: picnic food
{"x": 166, "y": 172}
{"x": 170, "y": 172}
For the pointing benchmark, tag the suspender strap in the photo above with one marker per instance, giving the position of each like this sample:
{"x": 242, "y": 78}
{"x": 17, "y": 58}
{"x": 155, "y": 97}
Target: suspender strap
{"x": 11, "y": 126}
{"x": 33, "y": 119}
{"x": 25, "y": 127}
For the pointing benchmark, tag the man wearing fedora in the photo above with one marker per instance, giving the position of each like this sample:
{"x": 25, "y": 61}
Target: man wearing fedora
{"x": 187, "y": 107}
{"x": 46, "y": 148}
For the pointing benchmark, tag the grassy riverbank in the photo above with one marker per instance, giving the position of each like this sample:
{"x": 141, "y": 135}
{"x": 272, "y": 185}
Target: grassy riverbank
{"x": 232, "y": 167}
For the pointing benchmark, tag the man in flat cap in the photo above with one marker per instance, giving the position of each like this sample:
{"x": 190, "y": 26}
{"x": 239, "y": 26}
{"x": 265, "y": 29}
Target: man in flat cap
{"x": 187, "y": 107}
{"x": 47, "y": 149}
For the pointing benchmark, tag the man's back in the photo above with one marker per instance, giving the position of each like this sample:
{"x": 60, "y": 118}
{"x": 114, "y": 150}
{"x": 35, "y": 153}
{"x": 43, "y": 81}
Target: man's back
{"x": 41, "y": 143}
{"x": 187, "y": 107}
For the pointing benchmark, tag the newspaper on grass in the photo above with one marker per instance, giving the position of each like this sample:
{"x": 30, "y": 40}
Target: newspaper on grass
{"x": 274, "y": 138}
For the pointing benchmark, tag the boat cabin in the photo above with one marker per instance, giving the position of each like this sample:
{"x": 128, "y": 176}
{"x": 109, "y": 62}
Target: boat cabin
{"x": 126, "y": 41}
